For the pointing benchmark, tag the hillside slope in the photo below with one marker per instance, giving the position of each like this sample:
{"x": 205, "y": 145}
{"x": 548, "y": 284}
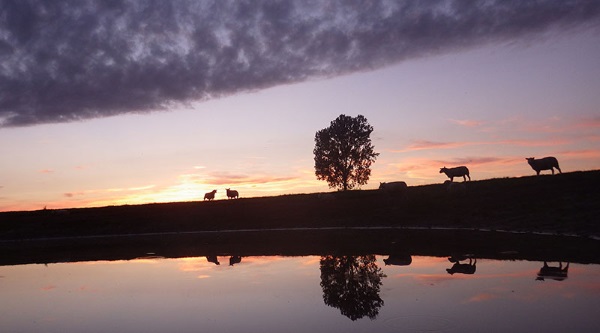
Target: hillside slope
{"x": 563, "y": 204}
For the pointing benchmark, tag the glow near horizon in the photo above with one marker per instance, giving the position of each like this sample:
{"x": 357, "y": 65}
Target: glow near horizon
{"x": 487, "y": 108}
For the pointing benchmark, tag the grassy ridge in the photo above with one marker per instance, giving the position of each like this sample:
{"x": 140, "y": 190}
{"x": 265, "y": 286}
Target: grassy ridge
{"x": 428, "y": 221}
{"x": 562, "y": 204}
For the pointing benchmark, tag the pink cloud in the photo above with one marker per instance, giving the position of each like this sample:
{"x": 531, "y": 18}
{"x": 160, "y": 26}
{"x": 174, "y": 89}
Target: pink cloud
{"x": 594, "y": 138}
{"x": 225, "y": 179}
{"x": 425, "y": 144}
{"x": 470, "y": 161}
{"x": 467, "y": 122}
{"x": 46, "y": 171}
{"x": 589, "y": 153}
{"x": 589, "y": 123}
{"x": 534, "y": 143}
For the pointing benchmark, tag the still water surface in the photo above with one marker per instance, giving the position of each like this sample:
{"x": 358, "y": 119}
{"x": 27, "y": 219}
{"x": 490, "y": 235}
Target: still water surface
{"x": 301, "y": 294}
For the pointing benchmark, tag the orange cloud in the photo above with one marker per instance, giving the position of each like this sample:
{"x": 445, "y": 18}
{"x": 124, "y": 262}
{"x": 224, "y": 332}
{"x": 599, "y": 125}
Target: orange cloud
{"x": 46, "y": 171}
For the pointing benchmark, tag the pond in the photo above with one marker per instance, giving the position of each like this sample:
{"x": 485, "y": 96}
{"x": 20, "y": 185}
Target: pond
{"x": 306, "y": 293}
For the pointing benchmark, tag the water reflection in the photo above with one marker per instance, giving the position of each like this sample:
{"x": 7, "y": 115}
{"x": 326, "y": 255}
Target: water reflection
{"x": 352, "y": 284}
{"x": 462, "y": 268}
{"x": 398, "y": 260}
{"x": 213, "y": 259}
{"x": 558, "y": 273}
{"x": 316, "y": 293}
{"x": 234, "y": 260}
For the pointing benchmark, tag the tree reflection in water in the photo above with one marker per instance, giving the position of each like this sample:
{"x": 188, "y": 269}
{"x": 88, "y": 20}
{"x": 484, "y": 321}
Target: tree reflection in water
{"x": 352, "y": 284}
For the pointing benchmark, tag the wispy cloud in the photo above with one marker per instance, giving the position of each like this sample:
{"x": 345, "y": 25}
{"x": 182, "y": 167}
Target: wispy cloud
{"x": 586, "y": 153}
{"x": 535, "y": 143}
{"x": 71, "y": 60}
{"x": 130, "y": 189}
{"x": 467, "y": 122}
{"x": 433, "y": 145}
{"x": 470, "y": 161}
{"x": 46, "y": 171}
{"x": 590, "y": 123}
{"x": 425, "y": 144}
{"x": 239, "y": 179}
{"x": 107, "y": 191}
{"x": 73, "y": 194}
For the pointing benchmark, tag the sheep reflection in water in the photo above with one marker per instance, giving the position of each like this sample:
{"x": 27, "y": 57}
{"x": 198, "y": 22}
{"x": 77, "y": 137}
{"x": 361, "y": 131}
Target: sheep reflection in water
{"x": 213, "y": 259}
{"x": 398, "y": 260}
{"x": 232, "y": 260}
{"x": 552, "y": 272}
{"x": 462, "y": 268}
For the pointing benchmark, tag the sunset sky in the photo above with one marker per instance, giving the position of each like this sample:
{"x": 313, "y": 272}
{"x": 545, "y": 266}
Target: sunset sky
{"x": 127, "y": 102}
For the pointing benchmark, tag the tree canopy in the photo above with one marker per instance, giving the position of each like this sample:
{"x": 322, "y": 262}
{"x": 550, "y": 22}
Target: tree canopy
{"x": 344, "y": 153}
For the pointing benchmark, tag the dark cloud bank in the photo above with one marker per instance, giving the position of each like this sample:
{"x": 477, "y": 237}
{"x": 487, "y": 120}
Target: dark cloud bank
{"x": 68, "y": 60}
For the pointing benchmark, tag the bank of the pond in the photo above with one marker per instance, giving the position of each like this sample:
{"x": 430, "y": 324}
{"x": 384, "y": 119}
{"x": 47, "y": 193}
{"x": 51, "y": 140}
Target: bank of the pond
{"x": 567, "y": 203}
{"x": 395, "y": 242}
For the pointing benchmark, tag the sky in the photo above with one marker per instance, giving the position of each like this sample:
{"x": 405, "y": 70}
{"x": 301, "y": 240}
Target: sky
{"x": 130, "y": 102}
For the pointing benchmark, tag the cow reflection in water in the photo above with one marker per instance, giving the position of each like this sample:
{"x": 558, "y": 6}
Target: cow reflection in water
{"x": 398, "y": 260}
{"x": 552, "y": 272}
{"x": 462, "y": 268}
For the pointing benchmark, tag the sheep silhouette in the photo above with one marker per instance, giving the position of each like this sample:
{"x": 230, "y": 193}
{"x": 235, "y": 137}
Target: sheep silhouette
{"x": 232, "y": 194}
{"x": 546, "y": 163}
{"x": 210, "y": 195}
{"x": 461, "y": 171}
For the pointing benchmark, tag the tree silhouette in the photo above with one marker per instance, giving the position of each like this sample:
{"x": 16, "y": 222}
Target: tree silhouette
{"x": 352, "y": 284}
{"x": 344, "y": 153}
